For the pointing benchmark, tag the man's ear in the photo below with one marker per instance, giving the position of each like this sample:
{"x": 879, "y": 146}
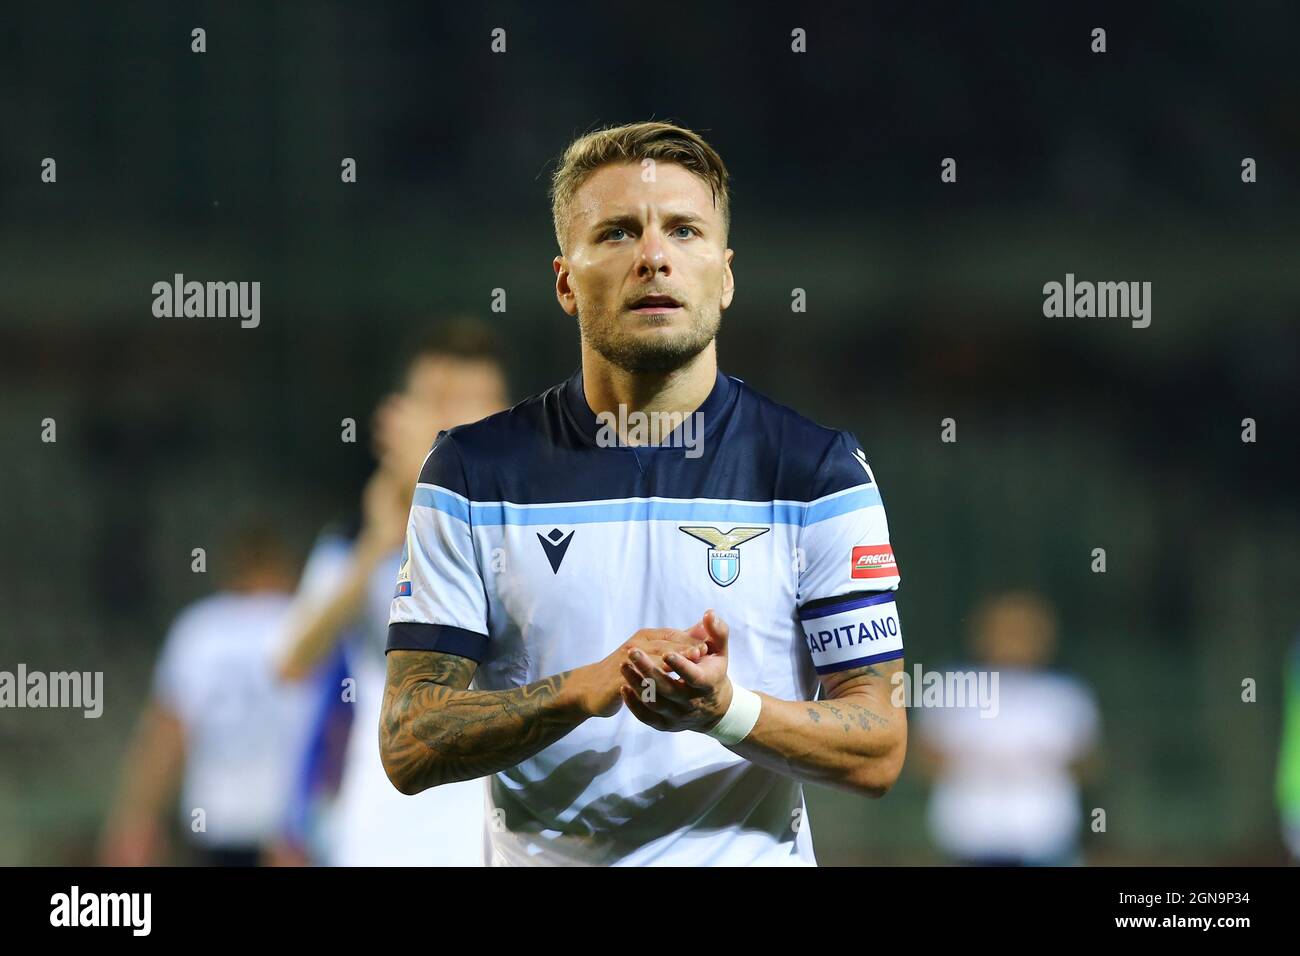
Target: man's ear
{"x": 728, "y": 280}
{"x": 563, "y": 287}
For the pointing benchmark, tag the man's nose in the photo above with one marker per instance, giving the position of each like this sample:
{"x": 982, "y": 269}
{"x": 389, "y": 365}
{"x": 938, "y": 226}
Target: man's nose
{"x": 653, "y": 257}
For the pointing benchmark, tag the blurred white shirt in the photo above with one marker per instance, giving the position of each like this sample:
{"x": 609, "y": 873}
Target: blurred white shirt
{"x": 1006, "y": 791}
{"x": 244, "y": 731}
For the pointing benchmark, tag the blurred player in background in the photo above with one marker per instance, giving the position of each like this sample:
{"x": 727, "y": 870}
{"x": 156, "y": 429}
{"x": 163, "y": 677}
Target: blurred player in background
{"x": 219, "y": 720}
{"x": 452, "y": 377}
{"x": 1006, "y": 787}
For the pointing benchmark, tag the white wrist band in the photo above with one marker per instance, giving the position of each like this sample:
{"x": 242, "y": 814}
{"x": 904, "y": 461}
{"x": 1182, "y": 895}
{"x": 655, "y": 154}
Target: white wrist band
{"x": 740, "y": 717}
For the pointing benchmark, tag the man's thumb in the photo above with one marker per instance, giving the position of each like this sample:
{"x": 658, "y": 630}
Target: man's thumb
{"x": 717, "y": 629}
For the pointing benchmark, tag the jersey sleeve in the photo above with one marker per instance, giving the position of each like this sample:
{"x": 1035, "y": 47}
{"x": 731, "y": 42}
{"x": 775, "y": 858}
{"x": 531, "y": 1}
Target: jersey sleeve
{"x": 326, "y": 566}
{"x": 440, "y": 603}
{"x": 848, "y": 573}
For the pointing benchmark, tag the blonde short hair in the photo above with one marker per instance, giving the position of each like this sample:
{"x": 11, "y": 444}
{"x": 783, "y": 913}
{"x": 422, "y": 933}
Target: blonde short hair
{"x": 662, "y": 142}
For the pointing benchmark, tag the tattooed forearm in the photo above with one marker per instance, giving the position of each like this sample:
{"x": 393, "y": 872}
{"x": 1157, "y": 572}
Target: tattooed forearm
{"x": 856, "y": 741}
{"x": 849, "y": 705}
{"x": 434, "y": 731}
{"x": 854, "y": 737}
{"x": 849, "y": 714}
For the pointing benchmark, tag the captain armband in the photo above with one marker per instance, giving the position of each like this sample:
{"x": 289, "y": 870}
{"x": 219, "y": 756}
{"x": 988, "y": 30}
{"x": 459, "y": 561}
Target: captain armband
{"x": 852, "y": 632}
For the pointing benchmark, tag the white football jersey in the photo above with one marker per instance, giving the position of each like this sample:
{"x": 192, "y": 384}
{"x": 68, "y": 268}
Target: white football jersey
{"x": 243, "y": 729}
{"x": 1007, "y": 789}
{"x": 535, "y": 547}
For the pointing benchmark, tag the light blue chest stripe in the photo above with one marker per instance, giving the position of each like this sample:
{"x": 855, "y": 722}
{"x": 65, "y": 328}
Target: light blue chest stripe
{"x": 488, "y": 513}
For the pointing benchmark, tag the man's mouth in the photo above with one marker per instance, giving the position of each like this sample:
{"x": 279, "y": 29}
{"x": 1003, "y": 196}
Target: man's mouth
{"x": 655, "y": 305}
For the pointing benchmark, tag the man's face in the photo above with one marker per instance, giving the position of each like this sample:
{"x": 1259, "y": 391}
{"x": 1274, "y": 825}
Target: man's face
{"x": 440, "y": 392}
{"x": 647, "y": 271}
{"x": 1016, "y": 636}
{"x": 448, "y": 391}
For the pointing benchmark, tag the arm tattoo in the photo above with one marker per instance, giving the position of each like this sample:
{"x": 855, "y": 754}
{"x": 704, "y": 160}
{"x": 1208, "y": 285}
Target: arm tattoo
{"x": 855, "y": 710}
{"x": 433, "y": 730}
{"x": 854, "y": 713}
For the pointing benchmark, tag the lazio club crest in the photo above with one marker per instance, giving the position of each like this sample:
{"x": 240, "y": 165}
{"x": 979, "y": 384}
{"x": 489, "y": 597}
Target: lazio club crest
{"x": 724, "y": 550}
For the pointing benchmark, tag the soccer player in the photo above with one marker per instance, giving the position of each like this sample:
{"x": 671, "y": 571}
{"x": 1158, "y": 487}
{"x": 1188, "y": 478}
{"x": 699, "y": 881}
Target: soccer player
{"x": 454, "y": 375}
{"x": 1007, "y": 782}
{"x": 647, "y": 569}
{"x": 218, "y": 723}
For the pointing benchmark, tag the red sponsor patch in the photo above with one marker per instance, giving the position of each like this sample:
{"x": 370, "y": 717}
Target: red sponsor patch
{"x": 874, "y": 561}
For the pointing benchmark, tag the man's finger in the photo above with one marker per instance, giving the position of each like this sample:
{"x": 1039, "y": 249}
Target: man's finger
{"x": 690, "y": 672}
{"x": 697, "y": 631}
{"x": 640, "y": 711}
{"x": 666, "y": 687}
{"x": 692, "y": 652}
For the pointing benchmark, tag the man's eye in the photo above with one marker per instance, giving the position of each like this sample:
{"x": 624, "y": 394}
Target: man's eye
{"x": 690, "y": 231}
{"x": 609, "y": 234}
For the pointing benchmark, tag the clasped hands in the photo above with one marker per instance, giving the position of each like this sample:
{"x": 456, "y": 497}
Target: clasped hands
{"x": 670, "y": 679}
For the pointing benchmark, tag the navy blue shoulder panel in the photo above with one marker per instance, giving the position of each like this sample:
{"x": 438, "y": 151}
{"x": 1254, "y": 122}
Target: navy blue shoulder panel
{"x": 443, "y": 466}
{"x": 545, "y": 449}
{"x": 845, "y": 466}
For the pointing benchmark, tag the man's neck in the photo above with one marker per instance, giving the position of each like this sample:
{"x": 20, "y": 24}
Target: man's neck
{"x": 674, "y": 393}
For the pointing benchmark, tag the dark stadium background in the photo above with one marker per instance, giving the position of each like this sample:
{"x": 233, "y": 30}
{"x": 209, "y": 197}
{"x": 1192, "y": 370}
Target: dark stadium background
{"x": 924, "y": 302}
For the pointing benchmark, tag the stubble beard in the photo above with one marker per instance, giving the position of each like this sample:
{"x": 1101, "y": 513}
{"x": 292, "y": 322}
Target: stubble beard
{"x": 656, "y": 355}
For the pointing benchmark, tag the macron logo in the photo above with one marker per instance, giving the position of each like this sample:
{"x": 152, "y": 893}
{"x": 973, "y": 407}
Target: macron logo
{"x": 555, "y": 544}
